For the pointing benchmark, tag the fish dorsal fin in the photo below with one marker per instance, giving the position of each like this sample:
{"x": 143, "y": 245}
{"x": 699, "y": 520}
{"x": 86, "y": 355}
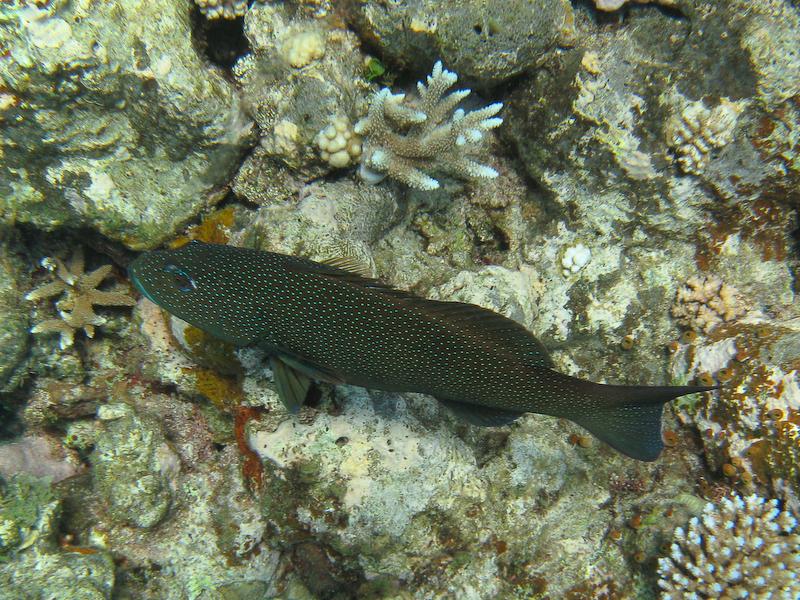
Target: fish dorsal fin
{"x": 292, "y": 385}
{"x": 482, "y": 416}
{"x": 350, "y": 264}
{"x": 493, "y": 327}
{"x": 482, "y": 322}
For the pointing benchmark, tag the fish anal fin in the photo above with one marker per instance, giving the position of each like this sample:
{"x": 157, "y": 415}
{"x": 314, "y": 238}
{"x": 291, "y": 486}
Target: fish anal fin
{"x": 481, "y": 416}
{"x": 292, "y": 385}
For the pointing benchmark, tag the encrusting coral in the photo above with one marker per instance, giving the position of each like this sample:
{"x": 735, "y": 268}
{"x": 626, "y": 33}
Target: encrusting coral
{"x": 76, "y": 308}
{"x": 402, "y": 140}
{"x": 705, "y": 302}
{"x": 742, "y": 548}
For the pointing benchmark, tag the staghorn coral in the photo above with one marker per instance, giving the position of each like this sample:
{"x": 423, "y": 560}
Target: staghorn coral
{"x": 80, "y": 291}
{"x": 703, "y": 303}
{"x": 740, "y": 548}
{"x": 401, "y": 140}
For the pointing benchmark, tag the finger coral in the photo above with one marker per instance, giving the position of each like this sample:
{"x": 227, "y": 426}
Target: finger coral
{"x": 705, "y": 302}
{"x": 742, "y": 548}
{"x": 402, "y": 140}
{"x": 79, "y": 288}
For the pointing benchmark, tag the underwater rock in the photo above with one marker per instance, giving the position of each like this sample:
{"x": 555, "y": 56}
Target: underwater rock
{"x": 486, "y": 43}
{"x": 340, "y": 219}
{"x": 661, "y": 125}
{"x": 111, "y": 120}
{"x": 133, "y": 466}
{"x": 39, "y": 456}
{"x": 301, "y": 75}
{"x": 14, "y": 325}
{"x": 31, "y": 563}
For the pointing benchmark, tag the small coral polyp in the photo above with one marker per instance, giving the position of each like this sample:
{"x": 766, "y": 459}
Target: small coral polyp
{"x": 741, "y": 548}
{"x": 404, "y": 139}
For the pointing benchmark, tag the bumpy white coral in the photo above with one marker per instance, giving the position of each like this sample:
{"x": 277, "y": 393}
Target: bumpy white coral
{"x": 705, "y": 302}
{"x": 402, "y": 140}
{"x": 697, "y": 130}
{"x": 226, "y": 9}
{"x": 742, "y": 548}
{"x": 339, "y": 145}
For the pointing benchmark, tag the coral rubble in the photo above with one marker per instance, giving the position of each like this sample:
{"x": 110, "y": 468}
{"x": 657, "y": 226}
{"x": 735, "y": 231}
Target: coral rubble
{"x": 76, "y": 308}
{"x": 744, "y": 547}
{"x": 402, "y": 140}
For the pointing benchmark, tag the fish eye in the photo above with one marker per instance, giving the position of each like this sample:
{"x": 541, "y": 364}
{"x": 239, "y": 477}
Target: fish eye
{"x": 180, "y": 278}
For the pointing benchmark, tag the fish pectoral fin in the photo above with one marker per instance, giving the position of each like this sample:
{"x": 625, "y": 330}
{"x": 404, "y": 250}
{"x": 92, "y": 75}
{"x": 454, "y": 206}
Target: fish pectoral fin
{"x": 311, "y": 369}
{"x": 292, "y": 386}
{"x": 482, "y": 416}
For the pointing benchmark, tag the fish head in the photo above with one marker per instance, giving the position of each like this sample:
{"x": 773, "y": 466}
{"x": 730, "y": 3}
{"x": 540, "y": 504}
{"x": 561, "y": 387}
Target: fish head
{"x": 197, "y": 284}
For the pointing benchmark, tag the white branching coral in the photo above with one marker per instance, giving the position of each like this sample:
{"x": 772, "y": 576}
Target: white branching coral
{"x": 404, "y": 139}
{"x": 742, "y": 548}
{"x": 79, "y": 288}
{"x": 702, "y": 303}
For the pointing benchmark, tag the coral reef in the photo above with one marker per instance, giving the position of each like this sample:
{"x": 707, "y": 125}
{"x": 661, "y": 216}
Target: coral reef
{"x": 32, "y": 565}
{"x": 637, "y": 148}
{"x": 484, "y": 42}
{"x": 133, "y": 466}
{"x": 111, "y": 119}
{"x": 703, "y": 303}
{"x": 301, "y": 75}
{"x": 76, "y": 308}
{"x": 741, "y": 548}
{"x": 402, "y": 140}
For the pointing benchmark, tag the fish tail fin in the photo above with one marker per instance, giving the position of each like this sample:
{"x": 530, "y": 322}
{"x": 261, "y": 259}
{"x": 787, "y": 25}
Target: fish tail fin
{"x": 628, "y": 418}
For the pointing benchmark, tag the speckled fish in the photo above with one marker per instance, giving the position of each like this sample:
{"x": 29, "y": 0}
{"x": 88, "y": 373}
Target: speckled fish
{"x": 320, "y": 322}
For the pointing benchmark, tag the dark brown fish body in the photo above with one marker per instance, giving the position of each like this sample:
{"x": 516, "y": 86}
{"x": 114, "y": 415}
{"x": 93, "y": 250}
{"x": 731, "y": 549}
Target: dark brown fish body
{"x": 321, "y": 322}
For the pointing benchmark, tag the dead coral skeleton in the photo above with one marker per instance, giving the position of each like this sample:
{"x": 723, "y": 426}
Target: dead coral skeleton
{"x": 705, "y": 302}
{"x": 401, "y": 139}
{"x": 79, "y": 288}
{"x": 741, "y": 548}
